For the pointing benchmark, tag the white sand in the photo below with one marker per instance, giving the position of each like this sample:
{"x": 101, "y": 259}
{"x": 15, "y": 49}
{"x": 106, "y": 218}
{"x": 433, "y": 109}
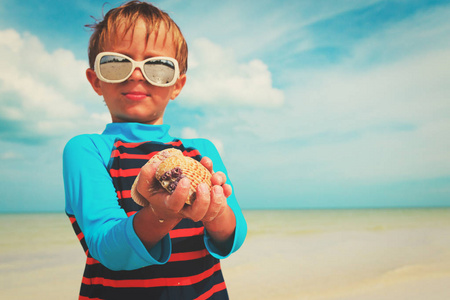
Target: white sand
{"x": 406, "y": 261}
{"x": 47, "y": 275}
{"x": 338, "y": 266}
{"x": 319, "y": 257}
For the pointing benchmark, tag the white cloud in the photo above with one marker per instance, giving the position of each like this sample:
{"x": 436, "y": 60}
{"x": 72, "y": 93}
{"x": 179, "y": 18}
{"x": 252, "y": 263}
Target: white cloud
{"x": 407, "y": 83}
{"x": 216, "y": 78}
{"x": 359, "y": 121}
{"x": 102, "y": 117}
{"x": 191, "y": 133}
{"x": 383, "y": 124}
{"x": 10, "y": 155}
{"x": 42, "y": 94}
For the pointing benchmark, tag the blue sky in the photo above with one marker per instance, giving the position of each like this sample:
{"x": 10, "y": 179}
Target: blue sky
{"x": 312, "y": 104}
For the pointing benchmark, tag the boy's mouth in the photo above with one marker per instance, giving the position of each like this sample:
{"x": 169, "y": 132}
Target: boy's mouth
{"x": 135, "y": 96}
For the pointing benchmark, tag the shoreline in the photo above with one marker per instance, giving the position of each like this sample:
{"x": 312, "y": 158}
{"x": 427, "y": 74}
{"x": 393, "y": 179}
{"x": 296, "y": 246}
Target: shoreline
{"x": 381, "y": 208}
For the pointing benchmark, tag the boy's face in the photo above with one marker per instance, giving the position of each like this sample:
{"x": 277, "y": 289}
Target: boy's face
{"x": 136, "y": 100}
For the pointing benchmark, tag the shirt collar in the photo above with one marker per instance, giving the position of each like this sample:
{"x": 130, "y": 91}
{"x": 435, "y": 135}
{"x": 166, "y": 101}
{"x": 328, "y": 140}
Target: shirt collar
{"x": 138, "y": 131}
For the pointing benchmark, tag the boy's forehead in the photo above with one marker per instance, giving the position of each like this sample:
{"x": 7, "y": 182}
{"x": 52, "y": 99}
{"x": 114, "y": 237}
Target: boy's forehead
{"x": 140, "y": 32}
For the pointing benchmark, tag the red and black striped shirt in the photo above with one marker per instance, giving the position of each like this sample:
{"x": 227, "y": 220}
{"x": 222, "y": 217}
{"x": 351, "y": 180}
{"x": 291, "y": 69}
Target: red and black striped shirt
{"x": 191, "y": 272}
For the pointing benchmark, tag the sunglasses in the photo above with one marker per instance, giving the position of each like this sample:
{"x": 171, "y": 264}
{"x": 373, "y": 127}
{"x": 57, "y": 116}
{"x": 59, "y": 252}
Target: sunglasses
{"x": 114, "y": 67}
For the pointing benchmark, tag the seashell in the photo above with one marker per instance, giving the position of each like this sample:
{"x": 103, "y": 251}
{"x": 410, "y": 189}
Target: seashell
{"x": 173, "y": 166}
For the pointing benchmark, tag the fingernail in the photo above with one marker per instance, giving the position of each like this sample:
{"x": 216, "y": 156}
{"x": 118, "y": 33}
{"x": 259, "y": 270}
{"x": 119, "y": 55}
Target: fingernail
{"x": 218, "y": 190}
{"x": 203, "y": 187}
{"x": 184, "y": 182}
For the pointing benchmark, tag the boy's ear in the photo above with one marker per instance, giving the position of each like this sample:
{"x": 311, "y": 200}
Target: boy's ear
{"x": 94, "y": 81}
{"x": 178, "y": 86}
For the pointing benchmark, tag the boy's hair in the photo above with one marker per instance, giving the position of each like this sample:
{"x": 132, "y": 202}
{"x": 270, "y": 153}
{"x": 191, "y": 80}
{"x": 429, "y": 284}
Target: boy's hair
{"x": 126, "y": 16}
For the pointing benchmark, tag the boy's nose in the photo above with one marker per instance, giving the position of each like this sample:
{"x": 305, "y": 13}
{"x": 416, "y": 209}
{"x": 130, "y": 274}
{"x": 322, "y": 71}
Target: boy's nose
{"x": 137, "y": 75}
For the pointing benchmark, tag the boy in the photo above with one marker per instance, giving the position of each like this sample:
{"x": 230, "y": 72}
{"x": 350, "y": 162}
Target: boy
{"x": 165, "y": 249}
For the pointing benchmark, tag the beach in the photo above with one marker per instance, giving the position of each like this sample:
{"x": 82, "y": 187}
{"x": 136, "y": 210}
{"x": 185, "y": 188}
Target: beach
{"x": 299, "y": 254}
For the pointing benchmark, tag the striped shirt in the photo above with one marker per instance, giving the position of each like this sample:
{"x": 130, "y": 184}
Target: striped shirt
{"x": 99, "y": 171}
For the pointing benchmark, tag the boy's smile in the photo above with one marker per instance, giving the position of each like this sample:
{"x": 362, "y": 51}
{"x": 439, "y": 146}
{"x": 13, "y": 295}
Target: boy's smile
{"x": 136, "y": 100}
{"x": 136, "y": 96}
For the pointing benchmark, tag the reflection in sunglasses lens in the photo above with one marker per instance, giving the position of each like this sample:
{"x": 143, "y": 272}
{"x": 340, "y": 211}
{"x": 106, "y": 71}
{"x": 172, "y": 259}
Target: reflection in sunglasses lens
{"x": 114, "y": 67}
{"x": 160, "y": 71}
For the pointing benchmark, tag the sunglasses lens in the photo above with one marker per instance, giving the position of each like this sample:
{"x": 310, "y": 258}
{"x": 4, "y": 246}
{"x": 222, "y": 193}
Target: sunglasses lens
{"x": 115, "y": 67}
{"x": 160, "y": 71}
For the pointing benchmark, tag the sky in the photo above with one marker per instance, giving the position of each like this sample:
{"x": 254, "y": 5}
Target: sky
{"x": 312, "y": 104}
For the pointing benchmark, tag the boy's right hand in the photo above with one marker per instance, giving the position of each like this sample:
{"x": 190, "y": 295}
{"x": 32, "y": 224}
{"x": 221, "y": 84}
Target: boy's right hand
{"x": 164, "y": 205}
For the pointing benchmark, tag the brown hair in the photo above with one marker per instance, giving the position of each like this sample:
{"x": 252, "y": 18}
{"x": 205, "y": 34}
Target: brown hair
{"x": 126, "y": 16}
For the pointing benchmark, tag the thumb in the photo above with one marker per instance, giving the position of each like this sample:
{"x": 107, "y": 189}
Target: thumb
{"x": 140, "y": 188}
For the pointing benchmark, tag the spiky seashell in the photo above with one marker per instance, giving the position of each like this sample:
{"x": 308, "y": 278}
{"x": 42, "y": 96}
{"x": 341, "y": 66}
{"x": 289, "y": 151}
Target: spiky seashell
{"x": 173, "y": 166}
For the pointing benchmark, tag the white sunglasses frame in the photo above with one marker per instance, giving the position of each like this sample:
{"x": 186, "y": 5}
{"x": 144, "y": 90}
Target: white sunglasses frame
{"x": 134, "y": 65}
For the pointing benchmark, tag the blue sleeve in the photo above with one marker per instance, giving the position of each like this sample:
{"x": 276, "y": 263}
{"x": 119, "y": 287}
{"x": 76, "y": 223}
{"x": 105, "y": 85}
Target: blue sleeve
{"x": 92, "y": 199}
{"x": 208, "y": 149}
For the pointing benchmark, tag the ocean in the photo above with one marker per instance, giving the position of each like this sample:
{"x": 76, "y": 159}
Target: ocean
{"x": 288, "y": 254}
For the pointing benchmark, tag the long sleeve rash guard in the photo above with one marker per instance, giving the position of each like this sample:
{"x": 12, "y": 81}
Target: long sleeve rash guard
{"x": 98, "y": 173}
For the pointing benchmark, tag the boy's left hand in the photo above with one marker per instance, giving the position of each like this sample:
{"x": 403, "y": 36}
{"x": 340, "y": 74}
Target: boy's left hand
{"x": 209, "y": 204}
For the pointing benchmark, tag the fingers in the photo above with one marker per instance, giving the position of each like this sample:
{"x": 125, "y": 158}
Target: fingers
{"x": 217, "y": 204}
{"x": 207, "y": 163}
{"x": 164, "y": 204}
{"x": 218, "y": 178}
{"x": 199, "y": 208}
{"x": 227, "y": 190}
{"x": 145, "y": 178}
{"x": 175, "y": 202}
{"x": 208, "y": 204}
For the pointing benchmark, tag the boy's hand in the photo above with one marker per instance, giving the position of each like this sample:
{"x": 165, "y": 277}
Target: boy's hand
{"x": 207, "y": 206}
{"x": 218, "y": 178}
{"x": 210, "y": 207}
{"x": 219, "y": 220}
{"x": 210, "y": 204}
{"x": 165, "y": 206}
